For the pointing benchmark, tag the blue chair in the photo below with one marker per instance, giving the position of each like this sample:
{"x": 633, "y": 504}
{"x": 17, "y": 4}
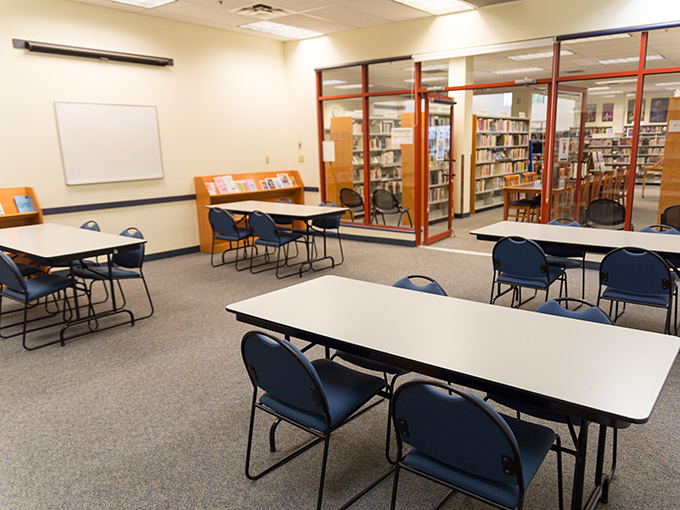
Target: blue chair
{"x": 605, "y": 213}
{"x": 126, "y": 265}
{"x": 328, "y": 226}
{"x": 461, "y": 442}
{"x": 283, "y": 222}
{"x": 225, "y": 228}
{"x": 267, "y": 234}
{"x": 519, "y": 262}
{"x": 673, "y": 261}
{"x": 567, "y": 258}
{"x": 317, "y": 397}
{"x": 429, "y": 286}
{"x": 16, "y": 288}
{"x": 637, "y": 276}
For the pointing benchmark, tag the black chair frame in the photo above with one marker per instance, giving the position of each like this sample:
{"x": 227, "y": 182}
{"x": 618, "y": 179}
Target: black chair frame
{"x": 268, "y": 264}
{"x": 381, "y": 207}
{"x": 239, "y": 244}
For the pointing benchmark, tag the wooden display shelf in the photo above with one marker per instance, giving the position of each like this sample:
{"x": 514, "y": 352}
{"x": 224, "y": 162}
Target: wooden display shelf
{"x": 13, "y": 218}
{"x": 204, "y": 198}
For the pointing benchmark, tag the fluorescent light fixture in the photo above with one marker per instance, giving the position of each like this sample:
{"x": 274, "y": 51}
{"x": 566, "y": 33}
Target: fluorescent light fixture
{"x": 609, "y": 93}
{"x": 432, "y": 67}
{"x": 667, "y": 84}
{"x": 334, "y": 82}
{"x": 518, "y": 70}
{"x": 281, "y": 30}
{"x": 542, "y": 54}
{"x": 628, "y": 59}
{"x": 438, "y": 7}
{"x": 598, "y": 88}
{"x": 349, "y": 86}
{"x": 596, "y": 38}
{"x": 428, "y": 79}
{"x": 482, "y": 50}
{"x": 622, "y": 80}
{"x": 148, "y": 4}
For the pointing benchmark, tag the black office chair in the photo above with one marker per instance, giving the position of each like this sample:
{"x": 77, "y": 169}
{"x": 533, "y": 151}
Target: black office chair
{"x": 605, "y": 213}
{"x": 671, "y": 216}
{"x": 317, "y": 397}
{"x": 385, "y": 202}
{"x": 352, "y": 200}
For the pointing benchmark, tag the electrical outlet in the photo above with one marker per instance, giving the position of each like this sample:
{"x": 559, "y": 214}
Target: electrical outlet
{"x": 266, "y": 160}
{"x": 301, "y": 158}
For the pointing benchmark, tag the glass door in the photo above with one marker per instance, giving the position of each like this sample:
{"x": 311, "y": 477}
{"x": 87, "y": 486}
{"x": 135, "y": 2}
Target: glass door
{"x": 438, "y": 166}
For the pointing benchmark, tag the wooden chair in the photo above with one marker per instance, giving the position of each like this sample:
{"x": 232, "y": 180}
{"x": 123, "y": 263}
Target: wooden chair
{"x": 595, "y": 186}
{"x": 584, "y": 196}
{"x": 607, "y": 190}
{"x": 565, "y": 205}
{"x": 519, "y": 207}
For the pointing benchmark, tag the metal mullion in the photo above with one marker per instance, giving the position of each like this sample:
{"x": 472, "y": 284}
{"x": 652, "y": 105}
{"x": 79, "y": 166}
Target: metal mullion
{"x": 417, "y": 155}
{"x": 319, "y": 119}
{"x": 546, "y": 183}
{"x": 368, "y": 200}
{"x": 343, "y": 96}
{"x": 402, "y": 92}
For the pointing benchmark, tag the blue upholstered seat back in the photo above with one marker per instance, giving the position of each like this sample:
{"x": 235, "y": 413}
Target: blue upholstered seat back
{"x": 131, "y": 259}
{"x": 332, "y": 222}
{"x": 635, "y": 271}
{"x": 91, "y": 225}
{"x": 431, "y": 287}
{"x": 455, "y": 430}
{"x": 520, "y": 257}
{"x": 564, "y": 252}
{"x": 263, "y": 227}
{"x": 10, "y": 276}
{"x": 223, "y": 223}
{"x": 592, "y": 314}
{"x": 281, "y": 370}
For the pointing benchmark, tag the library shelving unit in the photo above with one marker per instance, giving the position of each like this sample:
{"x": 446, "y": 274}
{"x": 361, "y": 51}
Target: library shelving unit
{"x": 358, "y": 156}
{"x": 650, "y": 147}
{"x": 439, "y": 147}
{"x": 385, "y": 160}
{"x": 205, "y": 183}
{"x": 614, "y": 148}
{"x": 11, "y": 217}
{"x": 500, "y": 146}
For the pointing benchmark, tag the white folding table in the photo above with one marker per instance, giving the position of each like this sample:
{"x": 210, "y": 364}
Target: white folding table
{"x": 604, "y": 374}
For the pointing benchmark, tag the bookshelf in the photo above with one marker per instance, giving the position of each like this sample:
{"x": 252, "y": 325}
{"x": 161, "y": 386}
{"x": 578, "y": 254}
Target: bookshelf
{"x": 204, "y": 198}
{"x": 438, "y": 151}
{"x": 500, "y": 146}
{"x": 615, "y": 149}
{"x": 13, "y": 218}
{"x": 385, "y": 160}
{"x": 652, "y": 141}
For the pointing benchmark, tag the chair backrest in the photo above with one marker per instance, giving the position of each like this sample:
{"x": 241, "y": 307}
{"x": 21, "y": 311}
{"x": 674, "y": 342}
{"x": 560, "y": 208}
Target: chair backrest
{"x": 91, "y": 225}
{"x": 596, "y": 186}
{"x": 131, "y": 259}
{"x": 430, "y": 286}
{"x": 671, "y": 216}
{"x": 529, "y": 176}
{"x": 660, "y": 229}
{"x": 636, "y": 271}
{"x": 281, "y": 219}
{"x": 264, "y": 227}
{"x": 350, "y": 198}
{"x": 222, "y": 222}
{"x": 512, "y": 180}
{"x": 10, "y": 276}
{"x": 605, "y": 213}
{"x": 520, "y": 257}
{"x": 280, "y": 369}
{"x": 458, "y": 429}
{"x": 332, "y": 222}
{"x": 384, "y": 200}
{"x": 559, "y": 251}
{"x": 591, "y": 314}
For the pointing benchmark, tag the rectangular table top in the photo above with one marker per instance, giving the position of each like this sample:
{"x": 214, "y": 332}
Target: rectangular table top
{"x": 50, "y": 243}
{"x": 603, "y": 373}
{"x": 295, "y": 210}
{"x": 589, "y": 239}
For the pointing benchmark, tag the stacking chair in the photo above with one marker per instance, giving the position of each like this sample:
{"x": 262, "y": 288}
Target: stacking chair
{"x": 385, "y": 202}
{"x": 328, "y": 226}
{"x": 605, "y": 213}
{"x": 225, "y": 228}
{"x": 126, "y": 265}
{"x": 673, "y": 261}
{"x": 671, "y": 216}
{"x": 519, "y": 262}
{"x": 461, "y": 442}
{"x": 413, "y": 282}
{"x": 524, "y": 209}
{"x": 283, "y": 222}
{"x": 317, "y": 397}
{"x": 567, "y": 258}
{"x": 638, "y": 276}
{"x": 352, "y": 200}
{"x": 13, "y": 286}
{"x": 267, "y": 234}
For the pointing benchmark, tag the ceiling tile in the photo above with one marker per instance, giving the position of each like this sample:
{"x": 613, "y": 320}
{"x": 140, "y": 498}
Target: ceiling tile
{"x": 386, "y": 9}
{"x": 348, "y": 17}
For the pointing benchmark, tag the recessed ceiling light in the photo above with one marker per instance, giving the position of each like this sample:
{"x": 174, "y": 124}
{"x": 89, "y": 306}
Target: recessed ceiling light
{"x": 542, "y": 54}
{"x": 149, "y": 4}
{"x": 349, "y": 86}
{"x": 334, "y": 82}
{"x": 668, "y": 83}
{"x": 281, "y": 30}
{"x": 428, "y": 79}
{"x": 519, "y": 70}
{"x": 597, "y": 38}
{"x": 628, "y": 59}
{"x": 598, "y": 88}
{"x": 608, "y": 93}
{"x": 438, "y": 7}
{"x": 431, "y": 67}
{"x": 622, "y": 80}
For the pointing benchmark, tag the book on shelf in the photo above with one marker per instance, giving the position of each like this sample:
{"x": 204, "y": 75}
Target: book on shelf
{"x": 251, "y": 185}
{"x": 285, "y": 181}
{"x": 2, "y": 211}
{"x": 241, "y": 185}
{"x": 270, "y": 183}
{"x": 24, "y": 203}
{"x": 218, "y": 182}
{"x": 212, "y": 189}
{"x": 277, "y": 182}
{"x": 293, "y": 182}
{"x": 230, "y": 184}
{"x": 264, "y": 185}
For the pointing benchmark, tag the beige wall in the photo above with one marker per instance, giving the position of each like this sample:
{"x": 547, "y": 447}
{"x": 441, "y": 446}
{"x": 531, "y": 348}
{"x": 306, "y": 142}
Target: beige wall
{"x": 229, "y": 101}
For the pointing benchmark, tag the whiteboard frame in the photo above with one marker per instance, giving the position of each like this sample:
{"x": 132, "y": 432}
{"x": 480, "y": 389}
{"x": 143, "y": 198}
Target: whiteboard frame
{"x": 74, "y": 156}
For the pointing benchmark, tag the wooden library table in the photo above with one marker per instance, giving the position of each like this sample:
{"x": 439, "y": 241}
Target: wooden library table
{"x": 602, "y": 374}
{"x": 530, "y": 188}
{"x": 50, "y": 244}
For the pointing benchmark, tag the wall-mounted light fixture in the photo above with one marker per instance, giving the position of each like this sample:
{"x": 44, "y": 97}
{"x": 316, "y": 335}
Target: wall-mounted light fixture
{"x": 74, "y": 51}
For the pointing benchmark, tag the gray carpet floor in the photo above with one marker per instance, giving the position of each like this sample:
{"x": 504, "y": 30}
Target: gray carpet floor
{"x": 155, "y": 416}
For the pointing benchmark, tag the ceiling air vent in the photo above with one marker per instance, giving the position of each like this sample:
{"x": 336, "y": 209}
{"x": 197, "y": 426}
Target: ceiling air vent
{"x": 261, "y": 11}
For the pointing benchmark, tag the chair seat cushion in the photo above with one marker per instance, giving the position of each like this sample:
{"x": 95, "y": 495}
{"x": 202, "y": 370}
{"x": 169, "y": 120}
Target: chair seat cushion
{"x": 563, "y": 262}
{"x": 241, "y": 233}
{"x": 286, "y": 237}
{"x": 369, "y": 364}
{"x": 539, "y": 283}
{"x": 346, "y": 390}
{"x": 534, "y": 443}
{"x": 642, "y": 299}
{"x": 27, "y": 269}
{"x": 102, "y": 273}
{"x": 39, "y": 287}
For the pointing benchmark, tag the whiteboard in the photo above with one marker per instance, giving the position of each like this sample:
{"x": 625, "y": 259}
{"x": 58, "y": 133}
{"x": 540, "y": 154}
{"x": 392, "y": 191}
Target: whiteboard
{"x": 108, "y": 143}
